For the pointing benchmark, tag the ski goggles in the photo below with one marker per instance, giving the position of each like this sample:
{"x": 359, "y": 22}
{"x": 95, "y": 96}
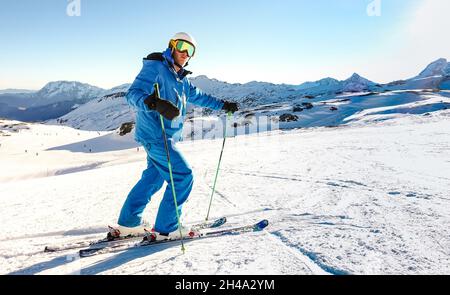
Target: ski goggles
{"x": 182, "y": 45}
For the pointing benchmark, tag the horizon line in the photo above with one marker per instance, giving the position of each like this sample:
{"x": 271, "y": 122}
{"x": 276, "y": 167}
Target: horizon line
{"x": 212, "y": 78}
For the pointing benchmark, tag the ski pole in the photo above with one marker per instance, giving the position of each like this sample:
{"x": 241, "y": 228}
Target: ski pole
{"x": 218, "y": 165}
{"x": 156, "y": 86}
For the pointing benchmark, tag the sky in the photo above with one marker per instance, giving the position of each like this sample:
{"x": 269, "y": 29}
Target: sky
{"x": 102, "y": 42}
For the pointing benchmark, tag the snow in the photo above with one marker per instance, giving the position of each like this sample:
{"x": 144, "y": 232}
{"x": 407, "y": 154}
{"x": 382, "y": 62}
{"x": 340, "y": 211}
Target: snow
{"x": 434, "y": 76}
{"x": 54, "y": 91}
{"x": 436, "y": 68}
{"x": 363, "y": 198}
{"x": 106, "y": 113}
{"x": 111, "y": 111}
{"x": 326, "y": 82}
{"x": 356, "y": 83}
{"x": 355, "y": 182}
{"x": 428, "y": 100}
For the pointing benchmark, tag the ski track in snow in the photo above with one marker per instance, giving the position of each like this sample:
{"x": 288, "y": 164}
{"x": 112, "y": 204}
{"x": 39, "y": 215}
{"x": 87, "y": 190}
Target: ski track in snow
{"x": 351, "y": 200}
{"x": 310, "y": 263}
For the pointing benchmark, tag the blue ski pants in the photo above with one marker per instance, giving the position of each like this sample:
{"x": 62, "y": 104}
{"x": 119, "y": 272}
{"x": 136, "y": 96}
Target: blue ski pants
{"x": 152, "y": 180}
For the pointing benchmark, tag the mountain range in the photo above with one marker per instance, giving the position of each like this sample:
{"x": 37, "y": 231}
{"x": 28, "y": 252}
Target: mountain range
{"x": 89, "y": 107}
{"x": 55, "y": 99}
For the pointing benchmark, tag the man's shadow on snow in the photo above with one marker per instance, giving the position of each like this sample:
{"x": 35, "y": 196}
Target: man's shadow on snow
{"x": 41, "y": 266}
{"x": 127, "y": 256}
{"x": 101, "y": 266}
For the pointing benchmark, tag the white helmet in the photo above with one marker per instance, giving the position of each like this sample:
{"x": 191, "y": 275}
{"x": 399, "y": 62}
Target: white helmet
{"x": 186, "y": 37}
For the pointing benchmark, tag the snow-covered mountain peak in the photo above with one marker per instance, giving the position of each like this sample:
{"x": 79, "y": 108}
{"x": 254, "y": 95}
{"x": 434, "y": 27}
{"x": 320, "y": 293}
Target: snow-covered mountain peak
{"x": 322, "y": 82}
{"x": 117, "y": 89}
{"x": 208, "y": 84}
{"x": 202, "y": 77}
{"x": 357, "y": 83}
{"x": 69, "y": 89}
{"x": 329, "y": 81}
{"x": 357, "y": 78}
{"x": 205, "y": 80}
{"x": 439, "y": 67}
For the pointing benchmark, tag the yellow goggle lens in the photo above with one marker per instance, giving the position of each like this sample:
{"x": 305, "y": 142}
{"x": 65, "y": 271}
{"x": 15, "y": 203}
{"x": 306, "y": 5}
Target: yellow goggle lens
{"x": 182, "y": 46}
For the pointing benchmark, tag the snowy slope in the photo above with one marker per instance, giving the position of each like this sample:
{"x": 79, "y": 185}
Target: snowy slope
{"x": 345, "y": 109}
{"x": 110, "y": 112}
{"x": 354, "y": 199}
{"x": 106, "y": 113}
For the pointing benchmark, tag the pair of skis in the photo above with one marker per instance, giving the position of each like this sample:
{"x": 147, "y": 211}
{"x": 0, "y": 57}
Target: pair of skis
{"x": 203, "y": 230}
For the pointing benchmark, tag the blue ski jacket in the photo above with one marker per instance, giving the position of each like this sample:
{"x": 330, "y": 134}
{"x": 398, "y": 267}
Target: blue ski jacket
{"x": 174, "y": 87}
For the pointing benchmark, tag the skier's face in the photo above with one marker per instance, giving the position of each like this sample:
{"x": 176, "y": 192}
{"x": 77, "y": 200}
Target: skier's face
{"x": 180, "y": 57}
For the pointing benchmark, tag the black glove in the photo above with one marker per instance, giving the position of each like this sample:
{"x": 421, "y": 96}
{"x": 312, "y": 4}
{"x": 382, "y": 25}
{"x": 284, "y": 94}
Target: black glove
{"x": 167, "y": 109}
{"x": 230, "y": 106}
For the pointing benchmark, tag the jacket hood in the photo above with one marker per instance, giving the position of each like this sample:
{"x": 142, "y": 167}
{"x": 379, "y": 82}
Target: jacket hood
{"x": 166, "y": 58}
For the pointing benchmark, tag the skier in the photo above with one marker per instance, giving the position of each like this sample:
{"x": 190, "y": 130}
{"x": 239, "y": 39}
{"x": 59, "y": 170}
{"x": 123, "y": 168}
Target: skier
{"x": 168, "y": 70}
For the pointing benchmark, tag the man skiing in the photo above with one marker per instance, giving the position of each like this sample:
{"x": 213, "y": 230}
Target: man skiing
{"x": 167, "y": 69}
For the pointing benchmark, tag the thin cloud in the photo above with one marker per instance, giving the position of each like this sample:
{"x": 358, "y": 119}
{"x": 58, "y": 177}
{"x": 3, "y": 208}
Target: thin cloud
{"x": 428, "y": 30}
{"x": 421, "y": 40}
